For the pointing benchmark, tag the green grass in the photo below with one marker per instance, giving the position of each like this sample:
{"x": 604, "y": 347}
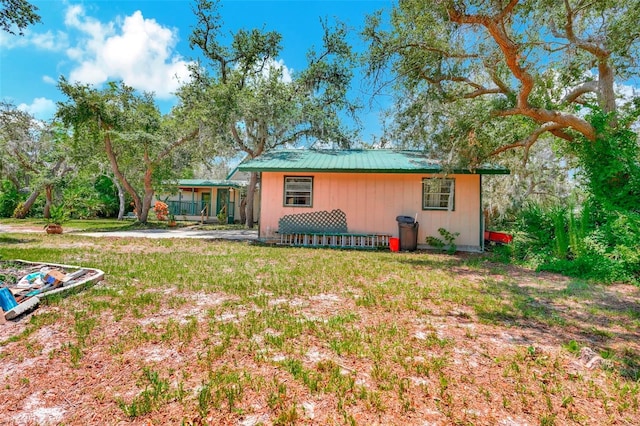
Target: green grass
{"x": 214, "y": 332}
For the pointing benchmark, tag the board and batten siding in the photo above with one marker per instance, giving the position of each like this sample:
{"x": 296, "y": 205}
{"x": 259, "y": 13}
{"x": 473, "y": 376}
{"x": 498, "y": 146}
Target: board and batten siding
{"x": 372, "y": 201}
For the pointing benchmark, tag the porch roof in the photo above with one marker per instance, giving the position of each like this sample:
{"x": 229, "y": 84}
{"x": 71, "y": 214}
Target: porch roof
{"x": 207, "y": 183}
{"x": 356, "y": 161}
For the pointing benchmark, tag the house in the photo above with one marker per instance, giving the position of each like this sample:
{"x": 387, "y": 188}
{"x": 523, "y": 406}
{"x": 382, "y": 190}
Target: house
{"x": 371, "y": 188}
{"x": 202, "y": 199}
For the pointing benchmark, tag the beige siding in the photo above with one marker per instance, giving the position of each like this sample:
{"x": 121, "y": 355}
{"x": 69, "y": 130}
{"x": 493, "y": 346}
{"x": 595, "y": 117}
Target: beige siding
{"x": 372, "y": 202}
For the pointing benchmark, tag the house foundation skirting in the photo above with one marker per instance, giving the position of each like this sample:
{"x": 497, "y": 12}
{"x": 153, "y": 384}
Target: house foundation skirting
{"x": 363, "y": 241}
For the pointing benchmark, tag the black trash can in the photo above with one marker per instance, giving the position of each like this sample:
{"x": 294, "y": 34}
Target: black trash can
{"x": 408, "y": 233}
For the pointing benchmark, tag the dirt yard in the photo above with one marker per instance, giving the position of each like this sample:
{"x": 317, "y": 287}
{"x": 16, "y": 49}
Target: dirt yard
{"x": 221, "y": 333}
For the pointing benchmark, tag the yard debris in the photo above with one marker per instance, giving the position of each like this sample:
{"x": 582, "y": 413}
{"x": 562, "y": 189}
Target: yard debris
{"x": 592, "y": 360}
{"x": 23, "y": 284}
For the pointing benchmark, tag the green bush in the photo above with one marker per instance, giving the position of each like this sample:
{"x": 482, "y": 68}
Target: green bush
{"x": 82, "y": 200}
{"x": 593, "y": 244}
{"x": 537, "y": 225}
{"x": 9, "y": 198}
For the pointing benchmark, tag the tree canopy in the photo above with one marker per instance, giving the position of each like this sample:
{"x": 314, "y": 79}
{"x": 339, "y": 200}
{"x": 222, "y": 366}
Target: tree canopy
{"x": 129, "y": 130}
{"x": 17, "y": 15}
{"x": 32, "y": 155}
{"x": 245, "y": 101}
{"x": 494, "y": 75}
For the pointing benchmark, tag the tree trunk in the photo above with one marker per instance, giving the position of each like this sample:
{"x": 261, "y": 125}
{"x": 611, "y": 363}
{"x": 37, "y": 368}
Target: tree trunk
{"x": 250, "y": 194}
{"x": 147, "y": 198}
{"x": 121, "y": 199}
{"x": 606, "y": 92}
{"x": 24, "y": 211}
{"x": 243, "y": 211}
{"x": 115, "y": 168}
{"x": 146, "y": 206}
{"x": 48, "y": 194}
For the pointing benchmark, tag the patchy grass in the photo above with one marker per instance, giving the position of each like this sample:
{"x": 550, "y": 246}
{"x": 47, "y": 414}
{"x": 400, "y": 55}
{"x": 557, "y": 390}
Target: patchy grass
{"x": 211, "y": 332}
{"x": 91, "y": 225}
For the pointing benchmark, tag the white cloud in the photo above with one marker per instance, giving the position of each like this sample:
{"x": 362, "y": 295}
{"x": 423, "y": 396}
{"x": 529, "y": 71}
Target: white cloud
{"x": 40, "y": 108}
{"x": 49, "y": 80}
{"x": 8, "y": 41}
{"x": 54, "y": 42}
{"x": 138, "y": 51}
{"x": 626, "y": 93}
{"x": 50, "y": 41}
{"x": 270, "y": 66}
{"x": 279, "y": 64}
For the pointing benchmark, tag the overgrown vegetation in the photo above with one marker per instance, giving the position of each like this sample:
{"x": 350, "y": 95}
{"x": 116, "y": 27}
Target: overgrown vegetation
{"x": 590, "y": 243}
{"x": 601, "y": 238}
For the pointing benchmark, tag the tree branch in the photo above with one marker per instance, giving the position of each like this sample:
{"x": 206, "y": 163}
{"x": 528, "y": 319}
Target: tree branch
{"x": 23, "y": 161}
{"x": 445, "y": 53}
{"x": 590, "y": 47}
{"x": 480, "y": 89}
{"x": 115, "y": 167}
{"x": 507, "y": 10}
{"x": 528, "y": 142}
{"x": 194, "y": 133}
{"x": 298, "y": 134}
{"x": 238, "y": 140}
{"x": 510, "y": 50}
{"x": 498, "y": 82}
{"x": 481, "y": 92}
{"x": 544, "y": 116}
{"x": 588, "y": 87}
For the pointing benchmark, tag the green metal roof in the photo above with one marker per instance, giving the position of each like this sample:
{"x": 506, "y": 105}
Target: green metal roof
{"x": 207, "y": 183}
{"x": 354, "y": 161}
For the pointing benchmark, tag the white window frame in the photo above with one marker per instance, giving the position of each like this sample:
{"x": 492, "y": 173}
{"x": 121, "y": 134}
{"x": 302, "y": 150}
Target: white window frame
{"x": 289, "y": 194}
{"x": 438, "y": 193}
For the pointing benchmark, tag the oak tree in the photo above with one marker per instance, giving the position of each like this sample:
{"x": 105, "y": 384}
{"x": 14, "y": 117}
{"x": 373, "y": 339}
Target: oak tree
{"x": 32, "y": 155}
{"x": 129, "y": 130}
{"x": 519, "y": 70}
{"x": 241, "y": 98}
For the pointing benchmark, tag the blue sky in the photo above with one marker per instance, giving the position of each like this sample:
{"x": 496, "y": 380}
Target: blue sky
{"x": 145, "y": 44}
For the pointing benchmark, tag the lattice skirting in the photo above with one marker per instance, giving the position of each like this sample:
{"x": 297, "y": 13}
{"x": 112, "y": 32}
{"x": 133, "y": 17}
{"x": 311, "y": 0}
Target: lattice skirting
{"x": 364, "y": 241}
{"x": 320, "y": 222}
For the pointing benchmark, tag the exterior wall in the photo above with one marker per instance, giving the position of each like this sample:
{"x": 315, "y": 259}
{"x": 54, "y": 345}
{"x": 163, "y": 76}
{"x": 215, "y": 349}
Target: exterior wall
{"x": 372, "y": 202}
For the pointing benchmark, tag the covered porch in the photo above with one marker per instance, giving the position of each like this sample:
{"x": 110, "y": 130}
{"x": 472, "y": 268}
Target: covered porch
{"x": 206, "y": 200}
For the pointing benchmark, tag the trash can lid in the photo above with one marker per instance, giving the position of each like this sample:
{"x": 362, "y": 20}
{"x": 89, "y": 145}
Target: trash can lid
{"x": 404, "y": 219}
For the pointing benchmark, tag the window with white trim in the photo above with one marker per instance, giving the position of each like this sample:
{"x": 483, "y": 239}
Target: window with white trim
{"x": 298, "y": 191}
{"x": 438, "y": 194}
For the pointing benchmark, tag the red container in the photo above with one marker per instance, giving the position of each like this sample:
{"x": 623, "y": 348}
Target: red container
{"x": 498, "y": 237}
{"x": 394, "y": 244}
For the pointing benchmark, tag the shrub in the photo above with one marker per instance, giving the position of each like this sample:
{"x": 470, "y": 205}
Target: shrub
{"x": 592, "y": 244}
{"x": 161, "y": 210}
{"x": 81, "y": 199}
{"x": 602, "y": 241}
{"x": 447, "y": 243}
{"x": 222, "y": 215}
{"x": 9, "y": 198}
